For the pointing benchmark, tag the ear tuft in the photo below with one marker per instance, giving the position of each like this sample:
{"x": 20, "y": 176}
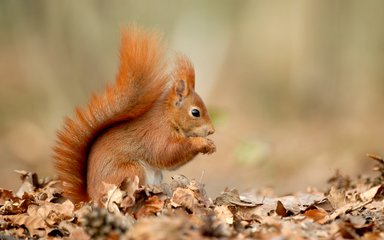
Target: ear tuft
{"x": 186, "y": 71}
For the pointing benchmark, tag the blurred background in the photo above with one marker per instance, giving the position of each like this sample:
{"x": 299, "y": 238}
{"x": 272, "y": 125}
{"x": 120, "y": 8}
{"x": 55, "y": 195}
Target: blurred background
{"x": 295, "y": 88}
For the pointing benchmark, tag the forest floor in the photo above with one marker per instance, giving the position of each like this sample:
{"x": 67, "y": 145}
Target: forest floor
{"x": 351, "y": 208}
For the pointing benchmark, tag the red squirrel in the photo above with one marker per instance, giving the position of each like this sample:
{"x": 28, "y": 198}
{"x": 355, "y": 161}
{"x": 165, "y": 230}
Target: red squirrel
{"x": 150, "y": 119}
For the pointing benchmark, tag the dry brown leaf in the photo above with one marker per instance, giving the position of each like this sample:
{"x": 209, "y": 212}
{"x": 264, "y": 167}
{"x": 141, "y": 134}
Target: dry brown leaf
{"x": 79, "y": 234}
{"x": 183, "y": 198}
{"x": 373, "y": 236}
{"x": 35, "y": 224}
{"x": 151, "y": 206}
{"x": 324, "y": 204}
{"x": 15, "y": 232}
{"x": 358, "y": 221}
{"x": 316, "y": 214}
{"x": 232, "y": 197}
{"x": 6, "y": 195}
{"x": 65, "y": 209}
{"x": 30, "y": 182}
{"x": 296, "y": 203}
{"x": 127, "y": 202}
{"x": 51, "y": 191}
{"x": 273, "y": 222}
{"x": 163, "y": 188}
{"x": 337, "y": 197}
{"x": 195, "y": 186}
{"x": 56, "y": 213}
{"x": 200, "y": 193}
{"x": 344, "y": 209}
{"x": 16, "y": 205}
{"x": 67, "y": 226}
{"x": 353, "y": 210}
{"x": 371, "y": 193}
{"x": 112, "y": 198}
{"x": 247, "y": 214}
{"x": 223, "y": 213}
{"x": 280, "y": 209}
{"x": 163, "y": 227}
{"x": 179, "y": 181}
{"x": 130, "y": 187}
{"x": 227, "y": 197}
{"x": 32, "y": 209}
{"x": 349, "y": 230}
{"x": 81, "y": 212}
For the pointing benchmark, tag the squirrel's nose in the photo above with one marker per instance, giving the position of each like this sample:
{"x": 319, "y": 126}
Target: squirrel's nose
{"x": 211, "y": 130}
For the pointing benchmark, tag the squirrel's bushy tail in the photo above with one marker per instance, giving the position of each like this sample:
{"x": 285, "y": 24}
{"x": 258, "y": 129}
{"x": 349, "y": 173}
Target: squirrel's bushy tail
{"x": 140, "y": 81}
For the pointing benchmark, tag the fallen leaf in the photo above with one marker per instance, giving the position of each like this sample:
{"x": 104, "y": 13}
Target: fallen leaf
{"x": 336, "y": 197}
{"x": 373, "y": 236}
{"x": 151, "y": 206}
{"x": 324, "y": 204}
{"x": 6, "y": 195}
{"x": 35, "y": 224}
{"x": 280, "y": 209}
{"x": 227, "y": 197}
{"x": 183, "y": 198}
{"x": 179, "y": 181}
{"x": 232, "y": 197}
{"x": 30, "y": 182}
{"x": 316, "y": 214}
{"x": 113, "y": 197}
{"x": 162, "y": 227}
{"x": 223, "y": 213}
{"x": 79, "y": 234}
{"x": 371, "y": 193}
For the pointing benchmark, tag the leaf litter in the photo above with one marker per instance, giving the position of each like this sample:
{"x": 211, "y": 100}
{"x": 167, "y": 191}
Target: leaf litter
{"x": 352, "y": 208}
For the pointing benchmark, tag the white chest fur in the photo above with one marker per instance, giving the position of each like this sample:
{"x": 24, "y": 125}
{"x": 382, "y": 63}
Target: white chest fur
{"x": 153, "y": 176}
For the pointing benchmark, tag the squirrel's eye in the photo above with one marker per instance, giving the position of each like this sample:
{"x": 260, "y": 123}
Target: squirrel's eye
{"x": 195, "y": 112}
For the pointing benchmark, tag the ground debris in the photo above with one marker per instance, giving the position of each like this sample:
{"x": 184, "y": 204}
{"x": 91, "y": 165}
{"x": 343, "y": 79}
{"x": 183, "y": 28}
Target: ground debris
{"x": 352, "y": 208}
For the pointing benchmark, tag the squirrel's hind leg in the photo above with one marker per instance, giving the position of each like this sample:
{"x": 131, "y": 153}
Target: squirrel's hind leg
{"x": 116, "y": 174}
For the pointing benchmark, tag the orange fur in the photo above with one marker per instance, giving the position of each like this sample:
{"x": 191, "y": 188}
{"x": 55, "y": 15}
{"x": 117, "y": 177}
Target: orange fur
{"x": 135, "y": 124}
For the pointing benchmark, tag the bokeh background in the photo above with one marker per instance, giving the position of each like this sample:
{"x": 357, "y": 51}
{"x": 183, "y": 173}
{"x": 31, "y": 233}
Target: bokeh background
{"x": 295, "y": 88}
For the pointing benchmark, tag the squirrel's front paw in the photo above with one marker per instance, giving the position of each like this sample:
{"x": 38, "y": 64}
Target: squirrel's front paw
{"x": 205, "y": 145}
{"x": 210, "y": 147}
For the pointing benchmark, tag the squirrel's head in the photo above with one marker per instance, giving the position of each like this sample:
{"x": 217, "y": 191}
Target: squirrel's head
{"x": 188, "y": 112}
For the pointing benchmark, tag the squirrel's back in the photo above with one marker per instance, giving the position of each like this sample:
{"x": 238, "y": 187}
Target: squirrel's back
{"x": 140, "y": 81}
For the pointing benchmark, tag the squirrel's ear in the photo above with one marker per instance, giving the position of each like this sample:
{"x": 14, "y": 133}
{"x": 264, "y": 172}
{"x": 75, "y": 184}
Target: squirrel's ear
{"x": 181, "y": 89}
